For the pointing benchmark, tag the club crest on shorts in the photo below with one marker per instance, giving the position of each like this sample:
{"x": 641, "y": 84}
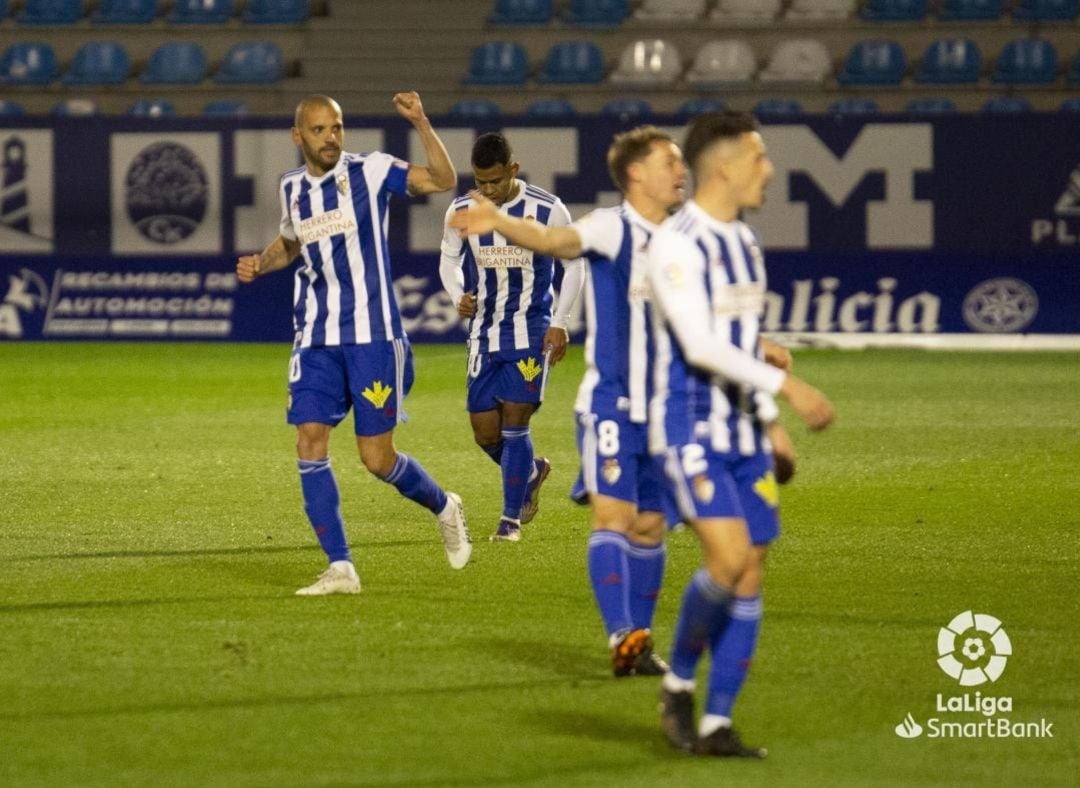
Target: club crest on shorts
{"x": 377, "y": 394}
{"x": 704, "y": 489}
{"x": 529, "y": 369}
{"x": 611, "y": 471}
{"x": 768, "y": 490}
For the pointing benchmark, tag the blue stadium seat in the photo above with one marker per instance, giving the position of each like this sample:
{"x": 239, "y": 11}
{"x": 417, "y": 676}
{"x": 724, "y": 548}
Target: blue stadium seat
{"x": 1072, "y": 76}
{"x": 573, "y": 63}
{"x": 176, "y": 63}
{"x": 225, "y": 109}
{"x": 1070, "y": 105}
{"x": 475, "y": 109}
{"x": 201, "y": 12}
{"x": 275, "y": 12}
{"x": 522, "y": 12}
{"x": 873, "y": 62}
{"x": 551, "y": 108}
{"x": 854, "y": 106}
{"x": 252, "y": 63}
{"x": 627, "y": 109}
{"x": 1046, "y": 10}
{"x": 1007, "y": 104}
{"x": 894, "y": 10}
{"x": 931, "y": 106}
{"x": 498, "y": 63}
{"x": 1027, "y": 61}
{"x": 126, "y": 12}
{"x": 597, "y": 13}
{"x": 10, "y": 108}
{"x": 28, "y": 63}
{"x": 970, "y": 10}
{"x": 99, "y": 63}
{"x": 152, "y": 108}
{"x": 51, "y": 12}
{"x": 75, "y": 108}
{"x": 778, "y": 108}
{"x": 950, "y": 61}
{"x": 699, "y": 106}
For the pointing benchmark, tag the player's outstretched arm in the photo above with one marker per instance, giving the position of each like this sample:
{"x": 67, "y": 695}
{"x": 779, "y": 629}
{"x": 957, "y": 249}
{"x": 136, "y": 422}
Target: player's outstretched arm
{"x": 274, "y": 257}
{"x": 438, "y": 175}
{"x": 484, "y": 217}
{"x": 776, "y": 354}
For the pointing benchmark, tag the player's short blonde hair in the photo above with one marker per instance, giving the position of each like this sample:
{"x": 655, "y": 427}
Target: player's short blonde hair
{"x": 631, "y": 146}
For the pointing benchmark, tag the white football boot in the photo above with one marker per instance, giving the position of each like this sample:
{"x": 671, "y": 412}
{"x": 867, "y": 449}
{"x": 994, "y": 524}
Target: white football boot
{"x": 455, "y": 534}
{"x": 340, "y": 578}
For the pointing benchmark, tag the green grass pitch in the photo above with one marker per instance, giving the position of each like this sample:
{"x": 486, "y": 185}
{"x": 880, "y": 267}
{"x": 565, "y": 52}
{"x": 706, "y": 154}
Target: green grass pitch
{"x": 151, "y": 538}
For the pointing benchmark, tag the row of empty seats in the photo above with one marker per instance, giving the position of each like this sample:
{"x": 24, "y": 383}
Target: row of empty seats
{"x": 731, "y": 62}
{"x": 611, "y": 13}
{"x": 143, "y": 108}
{"x": 174, "y": 63}
{"x": 187, "y": 12}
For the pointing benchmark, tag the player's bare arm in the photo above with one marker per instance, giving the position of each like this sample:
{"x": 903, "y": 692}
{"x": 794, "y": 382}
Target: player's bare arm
{"x": 783, "y": 452}
{"x": 438, "y": 175}
{"x": 809, "y": 403}
{"x": 775, "y": 354}
{"x": 274, "y": 257}
{"x": 484, "y": 217}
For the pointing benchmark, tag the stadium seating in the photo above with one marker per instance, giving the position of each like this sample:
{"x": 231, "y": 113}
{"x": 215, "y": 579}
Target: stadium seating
{"x": 522, "y": 12}
{"x": 28, "y": 64}
{"x": 777, "y": 108}
{"x": 648, "y": 62}
{"x": 275, "y": 12}
{"x": 799, "y": 60}
{"x": 950, "y": 61}
{"x": 670, "y": 10}
{"x": 722, "y": 62}
{"x": 176, "y": 63}
{"x": 201, "y": 12}
{"x": 573, "y": 63}
{"x": 854, "y": 106}
{"x": 51, "y": 12}
{"x": 76, "y": 108}
{"x": 252, "y": 63}
{"x": 3, "y": 13}
{"x": 931, "y": 106}
{"x": 126, "y": 12}
{"x": 699, "y": 106}
{"x": 745, "y": 11}
{"x": 498, "y": 63}
{"x": 894, "y": 10}
{"x": 820, "y": 9}
{"x": 1046, "y": 10}
{"x": 99, "y": 63}
{"x": 970, "y": 10}
{"x": 225, "y": 108}
{"x": 1070, "y": 105}
{"x": 1006, "y": 105}
{"x": 551, "y": 108}
{"x": 627, "y": 109}
{"x": 475, "y": 109}
{"x": 1072, "y": 76}
{"x": 1027, "y": 61}
{"x": 873, "y": 62}
{"x": 596, "y": 13}
{"x": 151, "y": 108}
{"x": 10, "y": 108}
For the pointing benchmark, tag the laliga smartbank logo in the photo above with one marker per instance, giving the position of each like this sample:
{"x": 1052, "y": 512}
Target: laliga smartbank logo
{"x": 973, "y": 649}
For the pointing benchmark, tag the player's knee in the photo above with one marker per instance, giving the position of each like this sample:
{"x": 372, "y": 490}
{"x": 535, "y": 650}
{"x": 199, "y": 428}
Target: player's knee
{"x": 486, "y": 437}
{"x": 312, "y": 442}
{"x": 648, "y": 529}
{"x": 516, "y": 414}
{"x": 726, "y": 567}
{"x": 377, "y": 460}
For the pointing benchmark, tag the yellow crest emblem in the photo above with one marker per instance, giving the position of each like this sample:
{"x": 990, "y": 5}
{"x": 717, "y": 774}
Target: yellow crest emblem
{"x": 377, "y": 394}
{"x": 768, "y": 490}
{"x": 529, "y": 369}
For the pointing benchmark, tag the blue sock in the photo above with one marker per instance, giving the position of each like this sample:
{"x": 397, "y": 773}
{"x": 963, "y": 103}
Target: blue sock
{"x": 702, "y": 615}
{"x": 494, "y": 451}
{"x": 646, "y": 577}
{"x": 412, "y": 481}
{"x": 322, "y": 503}
{"x": 517, "y": 466}
{"x": 609, "y": 573}
{"x": 731, "y": 653}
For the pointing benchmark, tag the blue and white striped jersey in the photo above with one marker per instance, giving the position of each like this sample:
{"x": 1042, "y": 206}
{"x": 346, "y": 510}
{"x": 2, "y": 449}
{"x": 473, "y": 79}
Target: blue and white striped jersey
{"x": 343, "y": 292}
{"x": 708, "y": 278}
{"x": 619, "y": 342}
{"x": 513, "y": 285}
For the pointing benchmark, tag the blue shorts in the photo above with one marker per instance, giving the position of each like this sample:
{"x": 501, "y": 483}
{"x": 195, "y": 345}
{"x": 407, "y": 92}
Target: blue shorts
{"x": 505, "y": 376}
{"x": 615, "y": 462}
{"x": 706, "y": 484}
{"x": 373, "y": 379}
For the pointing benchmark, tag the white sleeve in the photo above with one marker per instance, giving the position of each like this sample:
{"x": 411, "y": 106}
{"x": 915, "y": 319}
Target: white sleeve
{"x": 676, "y": 270}
{"x": 600, "y": 232}
{"x": 285, "y": 226}
{"x": 453, "y": 278}
{"x": 573, "y": 272}
{"x": 767, "y": 410}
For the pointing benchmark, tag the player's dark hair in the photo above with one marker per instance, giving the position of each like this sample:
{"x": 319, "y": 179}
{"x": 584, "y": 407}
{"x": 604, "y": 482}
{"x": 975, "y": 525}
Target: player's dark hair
{"x": 491, "y": 149}
{"x": 710, "y": 128}
{"x": 631, "y": 146}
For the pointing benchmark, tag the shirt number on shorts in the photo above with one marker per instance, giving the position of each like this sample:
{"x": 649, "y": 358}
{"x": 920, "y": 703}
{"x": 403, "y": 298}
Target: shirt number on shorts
{"x": 294, "y": 367}
{"x": 474, "y": 364}
{"x": 693, "y": 459}
{"x": 607, "y": 438}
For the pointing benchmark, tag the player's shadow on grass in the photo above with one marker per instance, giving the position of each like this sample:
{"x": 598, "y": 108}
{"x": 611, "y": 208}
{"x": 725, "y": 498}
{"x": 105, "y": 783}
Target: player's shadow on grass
{"x": 642, "y": 732}
{"x": 579, "y": 662}
{"x": 222, "y": 551}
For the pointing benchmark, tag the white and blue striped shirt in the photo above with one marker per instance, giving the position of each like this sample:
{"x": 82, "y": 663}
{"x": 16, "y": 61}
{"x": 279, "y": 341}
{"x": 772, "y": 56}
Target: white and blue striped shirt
{"x": 708, "y": 279}
{"x": 619, "y": 342}
{"x": 343, "y": 293}
{"x": 513, "y": 285}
